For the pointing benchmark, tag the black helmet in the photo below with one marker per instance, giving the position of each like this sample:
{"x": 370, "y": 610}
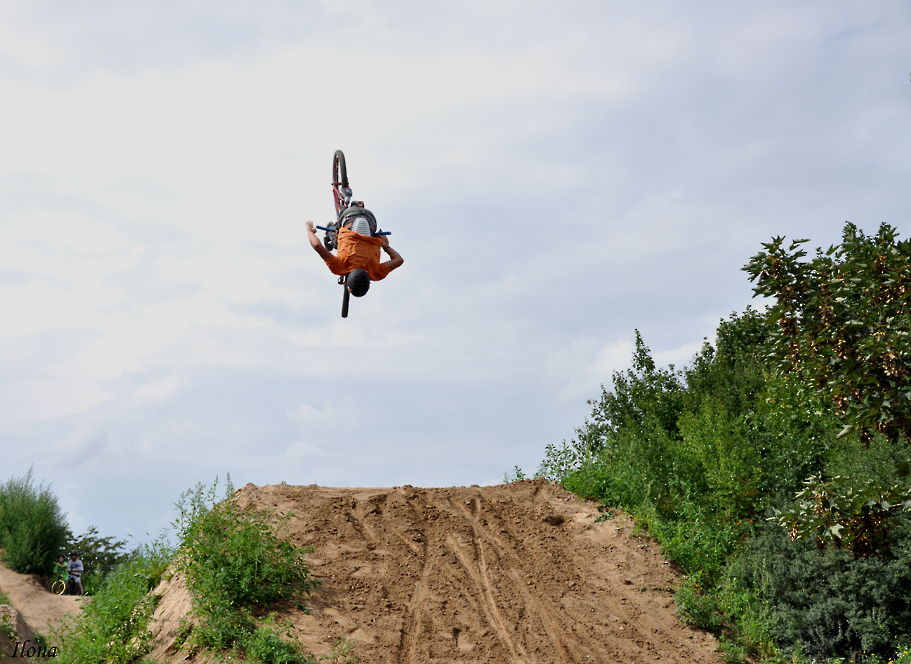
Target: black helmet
{"x": 358, "y": 282}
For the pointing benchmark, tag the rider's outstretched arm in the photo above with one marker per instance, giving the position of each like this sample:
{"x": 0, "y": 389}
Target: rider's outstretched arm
{"x": 395, "y": 258}
{"x": 318, "y": 247}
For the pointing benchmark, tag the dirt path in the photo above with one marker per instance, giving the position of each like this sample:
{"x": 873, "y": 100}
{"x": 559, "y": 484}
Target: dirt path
{"x": 42, "y": 610}
{"x": 511, "y": 574}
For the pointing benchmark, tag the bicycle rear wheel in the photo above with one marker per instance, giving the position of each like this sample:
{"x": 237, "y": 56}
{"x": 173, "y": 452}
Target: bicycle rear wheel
{"x": 341, "y": 192}
{"x": 58, "y": 587}
{"x": 339, "y": 170}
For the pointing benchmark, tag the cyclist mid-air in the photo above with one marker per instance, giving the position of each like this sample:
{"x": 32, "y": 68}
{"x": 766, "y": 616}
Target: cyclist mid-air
{"x": 358, "y": 251}
{"x": 355, "y": 235}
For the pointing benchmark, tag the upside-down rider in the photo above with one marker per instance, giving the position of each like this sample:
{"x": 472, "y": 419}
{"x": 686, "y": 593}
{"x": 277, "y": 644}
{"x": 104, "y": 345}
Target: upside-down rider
{"x": 358, "y": 250}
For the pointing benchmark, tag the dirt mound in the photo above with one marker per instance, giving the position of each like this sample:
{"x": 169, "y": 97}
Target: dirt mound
{"x": 516, "y": 573}
{"x": 42, "y": 610}
{"x": 7, "y": 647}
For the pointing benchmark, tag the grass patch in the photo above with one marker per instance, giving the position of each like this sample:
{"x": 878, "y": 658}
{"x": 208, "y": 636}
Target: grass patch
{"x": 113, "y": 627}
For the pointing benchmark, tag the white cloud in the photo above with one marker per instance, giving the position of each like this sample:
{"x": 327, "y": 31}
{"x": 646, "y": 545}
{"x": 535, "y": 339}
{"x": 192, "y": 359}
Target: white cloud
{"x": 556, "y": 175}
{"x": 580, "y": 369}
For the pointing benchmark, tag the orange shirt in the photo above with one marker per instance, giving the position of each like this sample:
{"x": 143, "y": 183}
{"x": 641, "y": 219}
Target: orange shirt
{"x": 358, "y": 252}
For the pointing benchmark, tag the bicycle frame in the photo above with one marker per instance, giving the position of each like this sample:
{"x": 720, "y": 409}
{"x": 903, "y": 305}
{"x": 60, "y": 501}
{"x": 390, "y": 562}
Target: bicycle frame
{"x": 342, "y": 196}
{"x": 341, "y": 191}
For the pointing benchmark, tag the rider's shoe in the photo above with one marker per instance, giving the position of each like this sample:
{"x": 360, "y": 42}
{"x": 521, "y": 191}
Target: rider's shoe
{"x": 330, "y": 239}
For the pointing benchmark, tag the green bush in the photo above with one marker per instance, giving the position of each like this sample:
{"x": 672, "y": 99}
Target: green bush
{"x": 238, "y": 568}
{"x": 113, "y": 627}
{"x": 33, "y": 530}
{"x": 703, "y": 456}
{"x": 679, "y": 449}
{"x": 266, "y": 644}
{"x": 830, "y": 604}
{"x": 698, "y": 456}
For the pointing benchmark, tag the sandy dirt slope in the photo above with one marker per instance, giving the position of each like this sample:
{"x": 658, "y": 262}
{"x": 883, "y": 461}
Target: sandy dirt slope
{"x": 42, "y": 610}
{"x": 517, "y": 573}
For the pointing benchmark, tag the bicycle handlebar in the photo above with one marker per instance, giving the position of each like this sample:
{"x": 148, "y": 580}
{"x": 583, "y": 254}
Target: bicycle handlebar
{"x": 329, "y": 230}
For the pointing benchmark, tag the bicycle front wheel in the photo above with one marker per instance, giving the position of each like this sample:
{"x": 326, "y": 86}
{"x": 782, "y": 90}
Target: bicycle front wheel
{"x": 58, "y": 587}
{"x": 345, "y": 298}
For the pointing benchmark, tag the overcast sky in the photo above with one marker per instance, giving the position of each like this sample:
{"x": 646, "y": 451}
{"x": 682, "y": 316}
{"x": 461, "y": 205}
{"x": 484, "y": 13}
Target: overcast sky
{"x": 555, "y": 174}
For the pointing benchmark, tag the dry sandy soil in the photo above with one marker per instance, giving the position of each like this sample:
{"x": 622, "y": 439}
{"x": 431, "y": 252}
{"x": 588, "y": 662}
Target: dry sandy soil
{"x": 518, "y": 573}
{"x": 35, "y": 608}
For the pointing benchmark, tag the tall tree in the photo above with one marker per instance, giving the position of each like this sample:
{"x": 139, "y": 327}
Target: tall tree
{"x": 844, "y": 324}
{"x": 844, "y": 331}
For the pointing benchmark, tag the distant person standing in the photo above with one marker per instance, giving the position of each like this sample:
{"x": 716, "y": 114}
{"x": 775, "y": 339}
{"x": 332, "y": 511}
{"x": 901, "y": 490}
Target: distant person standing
{"x": 75, "y": 569}
{"x": 60, "y": 568}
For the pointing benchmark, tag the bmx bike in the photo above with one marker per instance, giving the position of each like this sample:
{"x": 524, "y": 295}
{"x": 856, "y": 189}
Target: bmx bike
{"x": 341, "y": 195}
{"x": 61, "y": 587}
{"x": 58, "y": 587}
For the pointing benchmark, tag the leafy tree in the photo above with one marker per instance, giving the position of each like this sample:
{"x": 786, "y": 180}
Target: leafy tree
{"x": 99, "y": 555}
{"x": 844, "y": 324}
{"x": 844, "y": 333}
{"x": 641, "y": 394}
{"x": 836, "y": 513}
{"x": 32, "y": 525}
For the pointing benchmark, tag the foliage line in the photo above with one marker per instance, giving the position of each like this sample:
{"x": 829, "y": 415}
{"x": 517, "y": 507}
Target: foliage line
{"x": 704, "y": 456}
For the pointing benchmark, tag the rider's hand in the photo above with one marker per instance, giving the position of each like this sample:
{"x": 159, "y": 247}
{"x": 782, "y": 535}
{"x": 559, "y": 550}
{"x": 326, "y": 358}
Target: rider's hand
{"x": 311, "y": 228}
{"x": 385, "y": 238}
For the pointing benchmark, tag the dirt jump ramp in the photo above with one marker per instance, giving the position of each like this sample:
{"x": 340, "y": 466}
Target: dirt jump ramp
{"x": 42, "y": 610}
{"x": 519, "y": 573}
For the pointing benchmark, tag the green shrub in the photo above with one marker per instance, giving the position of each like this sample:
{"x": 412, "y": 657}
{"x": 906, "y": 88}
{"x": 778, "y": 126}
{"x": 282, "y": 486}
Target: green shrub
{"x": 266, "y": 644}
{"x": 113, "y": 627}
{"x": 703, "y": 456}
{"x": 32, "y": 527}
{"x": 698, "y": 456}
{"x": 237, "y": 555}
{"x": 829, "y": 604}
{"x": 238, "y": 568}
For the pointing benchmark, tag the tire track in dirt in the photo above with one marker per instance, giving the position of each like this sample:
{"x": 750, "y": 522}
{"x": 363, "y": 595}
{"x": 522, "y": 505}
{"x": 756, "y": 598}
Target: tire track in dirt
{"x": 517, "y": 574}
{"x": 488, "y": 603}
{"x": 417, "y": 608}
